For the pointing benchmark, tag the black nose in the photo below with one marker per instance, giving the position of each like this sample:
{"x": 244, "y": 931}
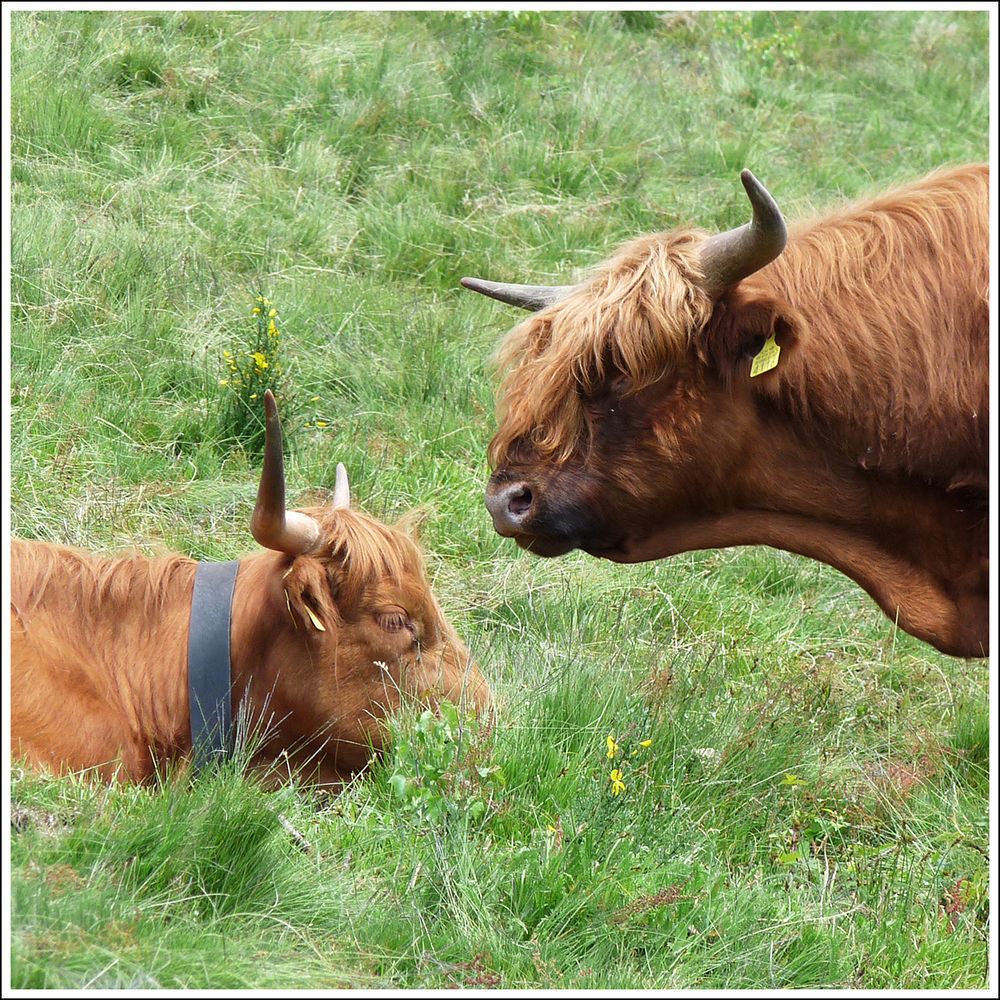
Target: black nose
{"x": 510, "y": 506}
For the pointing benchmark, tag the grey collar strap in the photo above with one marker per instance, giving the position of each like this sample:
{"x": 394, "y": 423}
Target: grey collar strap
{"x": 209, "y": 676}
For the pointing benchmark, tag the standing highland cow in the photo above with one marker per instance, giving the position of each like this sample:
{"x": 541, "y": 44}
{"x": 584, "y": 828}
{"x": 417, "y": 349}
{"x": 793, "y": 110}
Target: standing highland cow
{"x": 822, "y": 391}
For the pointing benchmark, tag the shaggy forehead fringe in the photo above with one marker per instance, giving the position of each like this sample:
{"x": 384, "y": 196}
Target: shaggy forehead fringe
{"x": 634, "y": 317}
{"x": 371, "y": 551}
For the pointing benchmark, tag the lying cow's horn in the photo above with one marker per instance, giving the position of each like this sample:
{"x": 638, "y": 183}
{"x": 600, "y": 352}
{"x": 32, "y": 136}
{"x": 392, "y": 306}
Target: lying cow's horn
{"x": 341, "y": 489}
{"x": 530, "y": 297}
{"x": 732, "y": 256}
{"x": 273, "y": 526}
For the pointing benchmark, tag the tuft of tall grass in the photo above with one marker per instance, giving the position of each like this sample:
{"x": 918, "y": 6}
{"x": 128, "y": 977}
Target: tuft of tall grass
{"x": 252, "y": 367}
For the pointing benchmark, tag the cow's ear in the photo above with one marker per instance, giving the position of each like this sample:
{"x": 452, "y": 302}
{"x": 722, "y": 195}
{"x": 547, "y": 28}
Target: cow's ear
{"x": 741, "y": 326}
{"x": 413, "y": 522}
{"x": 311, "y": 594}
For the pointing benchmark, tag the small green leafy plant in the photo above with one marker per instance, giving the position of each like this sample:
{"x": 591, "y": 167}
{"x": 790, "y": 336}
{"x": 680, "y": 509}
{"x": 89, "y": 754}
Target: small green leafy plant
{"x": 769, "y": 42}
{"x": 438, "y": 769}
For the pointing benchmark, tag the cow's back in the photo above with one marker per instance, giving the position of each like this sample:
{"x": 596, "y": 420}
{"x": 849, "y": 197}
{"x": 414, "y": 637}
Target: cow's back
{"x": 91, "y": 648}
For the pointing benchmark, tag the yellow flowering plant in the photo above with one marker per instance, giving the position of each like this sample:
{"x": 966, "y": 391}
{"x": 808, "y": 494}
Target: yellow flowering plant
{"x": 250, "y": 368}
{"x": 627, "y": 756}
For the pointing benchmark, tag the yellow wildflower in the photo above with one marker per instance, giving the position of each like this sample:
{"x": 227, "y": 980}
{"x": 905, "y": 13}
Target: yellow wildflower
{"x": 223, "y": 381}
{"x": 259, "y": 360}
{"x": 272, "y": 329}
{"x": 253, "y": 395}
{"x": 613, "y": 747}
{"x": 272, "y": 314}
{"x": 645, "y": 743}
{"x": 255, "y": 311}
{"x": 321, "y": 423}
{"x": 617, "y": 785}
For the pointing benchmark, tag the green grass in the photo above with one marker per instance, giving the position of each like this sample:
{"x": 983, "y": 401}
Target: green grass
{"x": 812, "y": 810}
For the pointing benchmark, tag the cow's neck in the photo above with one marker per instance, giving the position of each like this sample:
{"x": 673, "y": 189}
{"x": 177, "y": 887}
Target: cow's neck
{"x": 257, "y": 607}
{"x": 919, "y": 549}
{"x": 157, "y": 700}
{"x": 889, "y": 368}
{"x": 262, "y": 624}
{"x": 872, "y": 438}
{"x": 949, "y": 614}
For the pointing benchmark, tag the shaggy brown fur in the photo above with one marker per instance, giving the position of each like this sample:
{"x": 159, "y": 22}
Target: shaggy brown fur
{"x": 628, "y": 411}
{"x": 634, "y": 318}
{"x": 99, "y": 652}
{"x": 893, "y": 297}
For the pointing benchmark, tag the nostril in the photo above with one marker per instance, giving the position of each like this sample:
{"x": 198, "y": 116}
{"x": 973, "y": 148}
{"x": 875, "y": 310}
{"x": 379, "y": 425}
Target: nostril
{"x": 511, "y": 505}
{"x": 520, "y": 501}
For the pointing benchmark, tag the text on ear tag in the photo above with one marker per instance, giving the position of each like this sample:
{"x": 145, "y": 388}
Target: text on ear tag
{"x": 766, "y": 358}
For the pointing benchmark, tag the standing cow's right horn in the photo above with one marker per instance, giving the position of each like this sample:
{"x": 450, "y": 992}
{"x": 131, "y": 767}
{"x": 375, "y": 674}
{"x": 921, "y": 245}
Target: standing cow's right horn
{"x": 733, "y": 256}
{"x": 530, "y": 297}
{"x": 273, "y": 526}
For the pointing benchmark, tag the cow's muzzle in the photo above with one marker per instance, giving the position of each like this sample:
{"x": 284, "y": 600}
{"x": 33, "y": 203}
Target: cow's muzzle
{"x": 510, "y": 506}
{"x": 522, "y": 511}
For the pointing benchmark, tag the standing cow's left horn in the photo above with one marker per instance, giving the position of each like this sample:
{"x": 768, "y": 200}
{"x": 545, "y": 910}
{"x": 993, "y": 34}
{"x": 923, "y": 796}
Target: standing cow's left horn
{"x": 273, "y": 526}
{"x": 733, "y": 256}
{"x": 530, "y": 297}
{"x": 341, "y": 488}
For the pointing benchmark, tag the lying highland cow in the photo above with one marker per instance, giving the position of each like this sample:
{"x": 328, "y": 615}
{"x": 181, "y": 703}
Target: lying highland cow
{"x": 828, "y": 397}
{"x": 328, "y": 631}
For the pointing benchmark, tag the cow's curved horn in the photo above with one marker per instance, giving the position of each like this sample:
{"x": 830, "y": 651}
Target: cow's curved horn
{"x": 341, "y": 489}
{"x": 732, "y": 256}
{"x": 273, "y": 526}
{"x": 530, "y": 297}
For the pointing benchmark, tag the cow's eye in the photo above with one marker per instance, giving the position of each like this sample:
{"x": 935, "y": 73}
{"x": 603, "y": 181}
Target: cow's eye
{"x": 393, "y": 620}
{"x": 620, "y": 385}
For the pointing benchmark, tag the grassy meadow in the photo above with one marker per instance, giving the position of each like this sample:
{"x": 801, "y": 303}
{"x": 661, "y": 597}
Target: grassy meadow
{"x": 811, "y": 807}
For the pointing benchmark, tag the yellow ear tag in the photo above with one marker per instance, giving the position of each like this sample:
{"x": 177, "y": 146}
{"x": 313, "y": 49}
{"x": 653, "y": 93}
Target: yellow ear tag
{"x": 314, "y": 619}
{"x": 767, "y": 358}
